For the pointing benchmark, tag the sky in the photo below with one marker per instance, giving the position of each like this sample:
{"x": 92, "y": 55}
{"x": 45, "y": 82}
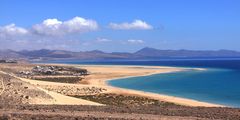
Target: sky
{"x": 119, "y": 25}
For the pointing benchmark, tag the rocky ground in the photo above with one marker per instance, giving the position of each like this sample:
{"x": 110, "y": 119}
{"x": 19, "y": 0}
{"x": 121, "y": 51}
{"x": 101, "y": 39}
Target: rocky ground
{"x": 124, "y": 100}
{"x": 74, "y": 90}
{"x": 114, "y": 112}
{"x": 81, "y": 113}
{"x": 19, "y": 92}
{"x": 60, "y": 79}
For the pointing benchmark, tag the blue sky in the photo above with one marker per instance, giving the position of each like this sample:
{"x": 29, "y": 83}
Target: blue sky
{"x": 112, "y": 24}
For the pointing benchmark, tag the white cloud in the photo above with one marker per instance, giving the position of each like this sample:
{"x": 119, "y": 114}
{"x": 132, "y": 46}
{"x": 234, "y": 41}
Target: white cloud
{"x": 12, "y": 30}
{"x": 52, "y": 22}
{"x": 46, "y": 34}
{"x": 135, "y": 25}
{"x": 135, "y": 41}
{"x": 54, "y": 27}
{"x": 103, "y": 40}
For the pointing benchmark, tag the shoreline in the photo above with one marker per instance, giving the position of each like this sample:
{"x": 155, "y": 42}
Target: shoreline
{"x": 159, "y": 70}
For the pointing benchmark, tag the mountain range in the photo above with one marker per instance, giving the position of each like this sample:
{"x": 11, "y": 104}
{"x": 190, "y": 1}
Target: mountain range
{"x": 144, "y": 53}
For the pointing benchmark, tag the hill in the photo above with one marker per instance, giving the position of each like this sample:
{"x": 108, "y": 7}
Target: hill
{"x": 144, "y": 53}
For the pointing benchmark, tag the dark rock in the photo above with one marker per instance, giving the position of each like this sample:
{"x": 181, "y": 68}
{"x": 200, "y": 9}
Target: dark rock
{"x": 57, "y": 70}
{"x": 27, "y": 97}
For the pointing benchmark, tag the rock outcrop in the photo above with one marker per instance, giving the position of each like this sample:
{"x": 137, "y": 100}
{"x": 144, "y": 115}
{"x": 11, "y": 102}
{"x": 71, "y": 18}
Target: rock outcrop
{"x": 55, "y": 70}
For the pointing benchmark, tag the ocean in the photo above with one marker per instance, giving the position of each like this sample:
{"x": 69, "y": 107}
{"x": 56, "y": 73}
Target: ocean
{"x": 219, "y": 84}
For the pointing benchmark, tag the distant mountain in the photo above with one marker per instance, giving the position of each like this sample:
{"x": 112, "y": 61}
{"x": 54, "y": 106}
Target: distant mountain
{"x": 148, "y": 52}
{"x": 46, "y": 53}
{"x": 6, "y": 54}
{"x": 144, "y": 53}
{"x": 61, "y": 54}
{"x": 155, "y": 53}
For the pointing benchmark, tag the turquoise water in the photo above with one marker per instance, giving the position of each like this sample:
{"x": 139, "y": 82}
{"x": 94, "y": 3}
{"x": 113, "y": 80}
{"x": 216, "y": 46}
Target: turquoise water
{"x": 219, "y": 86}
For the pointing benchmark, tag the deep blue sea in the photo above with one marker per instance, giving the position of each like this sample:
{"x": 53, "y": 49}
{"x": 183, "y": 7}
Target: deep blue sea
{"x": 220, "y": 83}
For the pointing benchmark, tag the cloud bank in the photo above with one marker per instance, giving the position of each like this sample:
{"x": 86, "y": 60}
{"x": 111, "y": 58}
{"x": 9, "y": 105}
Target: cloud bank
{"x": 55, "y": 27}
{"x": 51, "y": 27}
{"x": 12, "y": 30}
{"x": 57, "y": 34}
{"x": 135, "y": 25}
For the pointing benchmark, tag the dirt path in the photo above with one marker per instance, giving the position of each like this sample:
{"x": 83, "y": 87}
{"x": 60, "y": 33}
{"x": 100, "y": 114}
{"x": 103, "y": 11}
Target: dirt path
{"x": 59, "y": 99}
{"x": 3, "y": 87}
